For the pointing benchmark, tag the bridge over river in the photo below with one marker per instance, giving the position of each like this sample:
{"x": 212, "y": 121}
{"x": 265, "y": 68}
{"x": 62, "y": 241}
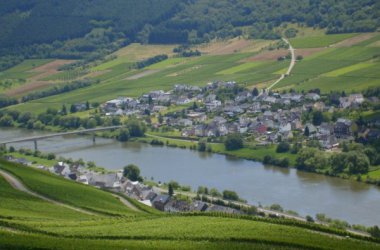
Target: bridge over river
{"x": 41, "y": 137}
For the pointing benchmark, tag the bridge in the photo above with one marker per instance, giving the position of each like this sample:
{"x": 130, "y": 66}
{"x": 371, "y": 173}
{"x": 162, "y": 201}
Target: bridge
{"x": 41, "y": 137}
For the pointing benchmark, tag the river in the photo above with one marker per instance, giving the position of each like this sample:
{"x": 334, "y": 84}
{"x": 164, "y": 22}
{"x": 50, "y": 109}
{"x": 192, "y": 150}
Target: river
{"x": 306, "y": 193}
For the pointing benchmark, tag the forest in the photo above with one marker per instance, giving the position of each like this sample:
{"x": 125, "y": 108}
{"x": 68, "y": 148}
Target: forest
{"x": 91, "y": 29}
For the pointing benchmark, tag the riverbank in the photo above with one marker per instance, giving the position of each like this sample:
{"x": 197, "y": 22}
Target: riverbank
{"x": 257, "y": 153}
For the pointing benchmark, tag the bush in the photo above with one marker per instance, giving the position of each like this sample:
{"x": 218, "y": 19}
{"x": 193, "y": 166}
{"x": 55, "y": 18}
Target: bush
{"x": 233, "y": 142}
{"x": 283, "y": 147}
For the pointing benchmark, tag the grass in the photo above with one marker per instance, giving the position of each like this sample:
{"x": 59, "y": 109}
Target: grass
{"x": 35, "y": 160}
{"x": 343, "y": 67}
{"x": 353, "y": 69}
{"x": 22, "y": 70}
{"x": 66, "y": 191}
{"x": 348, "y": 69}
{"x": 239, "y": 68}
{"x": 34, "y": 208}
{"x": 318, "y": 41}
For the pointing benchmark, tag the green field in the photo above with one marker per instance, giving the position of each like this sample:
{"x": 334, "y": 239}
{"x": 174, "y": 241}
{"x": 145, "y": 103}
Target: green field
{"x": 68, "y": 192}
{"x": 194, "y": 71}
{"x": 22, "y": 71}
{"x": 28, "y": 222}
{"x": 353, "y": 68}
{"x": 318, "y": 41}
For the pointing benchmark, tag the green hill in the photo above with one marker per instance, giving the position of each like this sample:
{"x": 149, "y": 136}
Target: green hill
{"x": 27, "y": 222}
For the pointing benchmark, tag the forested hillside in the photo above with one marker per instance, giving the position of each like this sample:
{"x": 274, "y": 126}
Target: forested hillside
{"x": 89, "y": 29}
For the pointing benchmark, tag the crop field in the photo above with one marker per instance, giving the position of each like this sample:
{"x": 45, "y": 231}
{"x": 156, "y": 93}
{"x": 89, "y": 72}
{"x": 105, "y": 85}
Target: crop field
{"x": 318, "y": 41}
{"x": 120, "y": 80}
{"x": 23, "y": 70}
{"x": 352, "y": 68}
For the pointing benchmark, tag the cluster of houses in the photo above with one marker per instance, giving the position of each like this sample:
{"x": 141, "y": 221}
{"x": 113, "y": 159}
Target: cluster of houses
{"x": 150, "y": 196}
{"x": 270, "y": 117}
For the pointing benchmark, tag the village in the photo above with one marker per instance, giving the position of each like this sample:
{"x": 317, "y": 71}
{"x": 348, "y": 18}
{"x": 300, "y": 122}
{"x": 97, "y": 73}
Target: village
{"x": 152, "y": 196}
{"x": 223, "y": 108}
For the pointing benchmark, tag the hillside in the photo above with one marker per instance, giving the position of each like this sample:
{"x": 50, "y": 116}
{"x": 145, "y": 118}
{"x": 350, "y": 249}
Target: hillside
{"x": 346, "y": 60}
{"x": 28, "y": 222}
{"x": 91, "y": 29}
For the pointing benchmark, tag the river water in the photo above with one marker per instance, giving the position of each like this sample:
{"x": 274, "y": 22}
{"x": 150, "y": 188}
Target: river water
{"x": 306, "y": 193}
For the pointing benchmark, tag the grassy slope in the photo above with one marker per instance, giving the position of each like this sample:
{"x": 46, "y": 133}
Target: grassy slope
{"x": 66, "y": 191}
{"x": 334, "y": 68}
{"x": 51, "y": 226}
{"x": 350, "y": 68}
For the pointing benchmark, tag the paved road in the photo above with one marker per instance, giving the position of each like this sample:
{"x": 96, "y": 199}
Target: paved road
{"x": 18, "y": 185}
{"x": 268, "y": 212}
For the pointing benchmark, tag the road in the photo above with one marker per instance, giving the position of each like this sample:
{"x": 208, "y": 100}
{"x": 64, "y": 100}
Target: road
{"x": 18, "y": 185}
{"x": 266, "y": 211}
{"x": 126, "y": 202}
{"x": 290, "y": 68}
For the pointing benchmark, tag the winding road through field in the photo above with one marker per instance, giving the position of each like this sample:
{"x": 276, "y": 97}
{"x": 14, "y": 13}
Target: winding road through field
{"x": 291, "y": 65}
{"x": 18, "y": 185}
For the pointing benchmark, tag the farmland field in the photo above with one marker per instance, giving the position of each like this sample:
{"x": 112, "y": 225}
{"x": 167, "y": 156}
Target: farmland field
{"x": 352, "y": 68}
{"x": 318, "y": 41}
{"x": 333, "y": 68}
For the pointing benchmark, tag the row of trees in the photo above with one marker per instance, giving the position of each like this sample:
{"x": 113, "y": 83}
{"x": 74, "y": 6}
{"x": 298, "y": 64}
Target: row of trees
{"x": 314, "y": 160}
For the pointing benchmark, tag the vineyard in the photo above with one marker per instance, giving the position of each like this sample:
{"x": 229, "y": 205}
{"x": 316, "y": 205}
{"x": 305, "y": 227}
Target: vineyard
{"x": 46, "y": 225}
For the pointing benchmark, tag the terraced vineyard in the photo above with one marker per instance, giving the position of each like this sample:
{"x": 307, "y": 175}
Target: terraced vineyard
{"x": 29, "y": 222}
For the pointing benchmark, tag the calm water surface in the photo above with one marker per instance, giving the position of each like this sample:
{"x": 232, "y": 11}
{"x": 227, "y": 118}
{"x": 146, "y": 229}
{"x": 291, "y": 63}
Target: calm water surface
{"x": 306, "y": 193}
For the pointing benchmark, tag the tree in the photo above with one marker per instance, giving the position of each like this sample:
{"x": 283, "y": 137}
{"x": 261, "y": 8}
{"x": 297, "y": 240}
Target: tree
{"x": 64, "y": 110}
{"x": 230, "y": 195}
{"x": 123, "y": 135}
{"x": 338, "y": 162}
{"x": 87, "y": 105}
{"x": 357, "y": 162}
{"x": 374, "y": 231}
{"x": 215, "y": 193}
{"x": 283, "y": 147}
{"x": 202, "y": 145}
{"x": 195, "y": 106}
{"x": 6, "y": 121}
{"x": 306, "y": 132}
{"x": 135, "y": 127}
{"x": 255, "y": 92}
{"x": 73, "y": 108}
{"x": 170, "y": 190}
{"x": 309, "y": 218}
{"x": 311, "y": 159}
{"x": 276, "y": 207}
{"x": 233, "y": 142}
{"x": 317, "y": 118}
{"x": 132, "y": 172}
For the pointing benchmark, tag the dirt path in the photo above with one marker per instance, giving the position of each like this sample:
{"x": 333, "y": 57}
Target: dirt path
{"x": 291, "y": 65}
{"x": 142, "y": 74}
{"x": 126, "y": 202}
{"x": 18, "y": 185}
